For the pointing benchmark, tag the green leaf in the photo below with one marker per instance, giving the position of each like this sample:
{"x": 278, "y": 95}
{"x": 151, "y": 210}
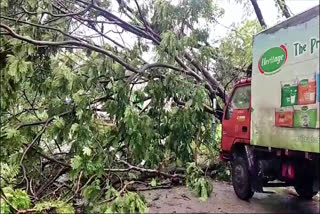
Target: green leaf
{"x": 32, "y": 3}
{"x": 4, "y": 4}
{"x": 79, "y": 114}
{"x": 87, "y": 151}
{"x": 13, "y": 67}
{"x": 11, "y": 133}
{"x": 111, "y": 193}
{"x": 59, "y": 122}
{"x": 74, "y": 128}
{"x": 18, "y": 198}
{"x": 76, "y": 162}
{"x": 153, "y": 182}
{"x": 9, "y": 171}
{"x": 197, "y": 183}
{"x": 4, "y": 207}
{"x": 188, "y": 104}
{"x": 91, "y": 191}
{"x": 132, "y": 175}
{"x": 61, "y": 207}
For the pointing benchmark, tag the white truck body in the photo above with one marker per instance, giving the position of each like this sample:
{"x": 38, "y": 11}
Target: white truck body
{"x": 285, "y": 85}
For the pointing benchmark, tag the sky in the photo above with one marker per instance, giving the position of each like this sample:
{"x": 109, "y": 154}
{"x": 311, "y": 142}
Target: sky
{"x": 234, "y": 13}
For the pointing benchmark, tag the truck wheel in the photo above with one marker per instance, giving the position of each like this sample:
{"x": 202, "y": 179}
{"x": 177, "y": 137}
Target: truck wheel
{"x": 304, "y": 189}
{"x": 240, "y": 178}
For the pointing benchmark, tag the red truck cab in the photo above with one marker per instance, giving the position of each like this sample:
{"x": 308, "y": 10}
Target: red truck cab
{"x": 237, "y": 116}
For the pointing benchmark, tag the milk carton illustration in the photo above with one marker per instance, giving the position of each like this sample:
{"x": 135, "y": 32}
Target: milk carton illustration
{"x": 289, "y": 93}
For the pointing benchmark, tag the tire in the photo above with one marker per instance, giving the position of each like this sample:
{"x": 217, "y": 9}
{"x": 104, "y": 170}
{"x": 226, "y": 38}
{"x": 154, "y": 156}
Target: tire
{"x": 304, "y": 189}
{"x": 240, "y": 178}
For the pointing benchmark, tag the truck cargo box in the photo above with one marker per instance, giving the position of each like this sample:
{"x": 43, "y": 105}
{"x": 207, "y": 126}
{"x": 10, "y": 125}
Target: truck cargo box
{"x": 286, "y": 85}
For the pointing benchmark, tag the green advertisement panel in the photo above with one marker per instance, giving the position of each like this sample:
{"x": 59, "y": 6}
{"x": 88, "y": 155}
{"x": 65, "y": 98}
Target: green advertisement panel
{"x": 286, "y": 85}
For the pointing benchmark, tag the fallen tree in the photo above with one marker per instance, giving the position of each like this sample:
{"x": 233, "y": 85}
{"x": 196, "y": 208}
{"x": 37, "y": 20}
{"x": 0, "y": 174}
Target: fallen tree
{"x": 98, "y": 93}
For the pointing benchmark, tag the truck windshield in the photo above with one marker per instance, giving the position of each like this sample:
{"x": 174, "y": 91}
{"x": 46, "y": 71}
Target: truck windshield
{"x": 241, "y": 98}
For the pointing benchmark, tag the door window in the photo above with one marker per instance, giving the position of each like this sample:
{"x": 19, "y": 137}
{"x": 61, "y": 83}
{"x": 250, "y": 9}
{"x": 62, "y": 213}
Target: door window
{"x": 239, "y": 100}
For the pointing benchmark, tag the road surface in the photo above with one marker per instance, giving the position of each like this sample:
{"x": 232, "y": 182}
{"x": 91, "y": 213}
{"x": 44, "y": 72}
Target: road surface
{"x": 223, "y": 200}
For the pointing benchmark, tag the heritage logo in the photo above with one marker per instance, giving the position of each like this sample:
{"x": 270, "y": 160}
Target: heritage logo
{"x": 272, "y": 60}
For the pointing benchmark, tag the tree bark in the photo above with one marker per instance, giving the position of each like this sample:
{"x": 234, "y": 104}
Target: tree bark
{"x": 140, "y": 169}
{"x": 258, "y": 13}
{"x": 283, "y": 7}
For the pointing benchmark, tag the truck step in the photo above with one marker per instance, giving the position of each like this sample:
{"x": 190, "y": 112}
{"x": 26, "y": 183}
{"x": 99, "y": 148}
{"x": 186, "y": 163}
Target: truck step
{"x": 268, "y": 192}
{"x": 277, "y": 185}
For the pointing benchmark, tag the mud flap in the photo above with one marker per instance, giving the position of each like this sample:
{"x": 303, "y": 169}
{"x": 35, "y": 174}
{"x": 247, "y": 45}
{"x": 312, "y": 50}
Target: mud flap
{"x": 255, "y": 179}
{"x": 316, "y": 179}
{"x": 315, "y": 186}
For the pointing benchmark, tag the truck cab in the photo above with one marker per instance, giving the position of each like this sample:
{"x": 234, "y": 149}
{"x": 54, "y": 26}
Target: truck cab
{"x": 237, "y": 116}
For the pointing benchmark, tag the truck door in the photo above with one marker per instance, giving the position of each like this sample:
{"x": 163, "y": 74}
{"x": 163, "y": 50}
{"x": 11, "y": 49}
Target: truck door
{"x": 236, "y": 118}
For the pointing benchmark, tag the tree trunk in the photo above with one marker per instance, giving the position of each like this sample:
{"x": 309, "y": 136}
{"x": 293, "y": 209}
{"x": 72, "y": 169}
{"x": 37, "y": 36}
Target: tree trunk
{"x": 283, "y": 7}
{"x": 258, "y": 13}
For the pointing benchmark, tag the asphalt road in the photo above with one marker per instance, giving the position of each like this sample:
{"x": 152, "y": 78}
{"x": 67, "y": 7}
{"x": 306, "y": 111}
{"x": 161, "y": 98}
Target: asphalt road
{"x": 223, "y": 200}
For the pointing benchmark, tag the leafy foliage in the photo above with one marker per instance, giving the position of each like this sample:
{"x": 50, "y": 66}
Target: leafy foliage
{"x": 8, "y": 174}
{"x": 237, "y": 47}
{"x": 129, "y": 203}
{"x": 71, "y": 111}
{"x": 19, "y": 199}
{"x": 60, "y": 207}
{"x": 4, "y": 207}
{"x": 197, "y": 183}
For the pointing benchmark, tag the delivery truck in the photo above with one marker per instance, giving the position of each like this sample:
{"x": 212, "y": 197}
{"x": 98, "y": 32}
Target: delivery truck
{"x": 270, "y": 126}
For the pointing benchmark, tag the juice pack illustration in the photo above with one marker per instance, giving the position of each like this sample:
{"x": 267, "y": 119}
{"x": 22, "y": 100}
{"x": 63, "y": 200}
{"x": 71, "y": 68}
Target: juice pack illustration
{"x": 284, "y": 117}
{"x": 289, "y": 93}
{"x": 306, "y": 91}
{"x": 305, "y": 116}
